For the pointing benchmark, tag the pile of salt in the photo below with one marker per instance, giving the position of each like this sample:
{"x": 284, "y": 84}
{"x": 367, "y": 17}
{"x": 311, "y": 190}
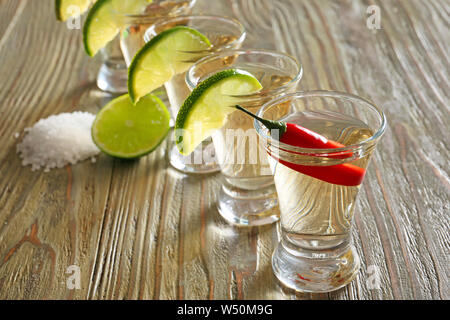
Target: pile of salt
{"x": 58, "y": 140}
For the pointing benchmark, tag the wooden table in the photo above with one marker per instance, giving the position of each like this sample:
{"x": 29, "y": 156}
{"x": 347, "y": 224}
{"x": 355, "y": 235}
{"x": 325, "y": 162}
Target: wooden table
{"x": 141, "y": 230}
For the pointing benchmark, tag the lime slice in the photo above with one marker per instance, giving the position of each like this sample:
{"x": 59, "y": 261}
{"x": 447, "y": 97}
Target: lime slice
{"x": 105, "y": 19}
{"x": 66, "y": 9}
{"x": 124, "y": 130}
{"x": 171, "y": 52}
{"x": 207, "y": 107}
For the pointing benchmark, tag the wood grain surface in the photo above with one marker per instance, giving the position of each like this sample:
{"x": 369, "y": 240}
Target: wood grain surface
{"x": 141, "y": 230}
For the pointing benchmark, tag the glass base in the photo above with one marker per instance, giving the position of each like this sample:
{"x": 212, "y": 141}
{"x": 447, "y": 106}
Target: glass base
{"x": 315, "y": 271}
{"x": 202, "y": 160}
{"x": 113, "y": 78}
{"x": 248, "y": 208}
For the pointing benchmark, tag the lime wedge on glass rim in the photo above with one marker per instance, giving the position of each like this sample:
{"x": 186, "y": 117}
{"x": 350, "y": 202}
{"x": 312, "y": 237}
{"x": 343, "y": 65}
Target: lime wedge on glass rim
{"x": 207, "y": 107}
{"x": 169, "y": 53}
{"x": 66, "y": 9}
{"x": 124, "y": 130}
{"x": 105, "y": 19}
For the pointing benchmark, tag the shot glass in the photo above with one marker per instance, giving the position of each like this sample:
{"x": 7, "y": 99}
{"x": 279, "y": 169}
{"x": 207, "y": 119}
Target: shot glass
{"x": 317, "y": 188}
{"x": 224, "y": 33}
{"x": 247, "y": 196}
{"x": 117, "y": 55}
{"x": 132, "y": 37}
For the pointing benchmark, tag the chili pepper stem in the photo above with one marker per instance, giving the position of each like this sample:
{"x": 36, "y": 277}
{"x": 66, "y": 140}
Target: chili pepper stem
{"x": 269, "y": 124}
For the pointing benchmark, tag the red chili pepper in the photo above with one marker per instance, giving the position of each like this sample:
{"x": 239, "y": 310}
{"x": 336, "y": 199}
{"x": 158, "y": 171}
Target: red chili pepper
{"x": 292, "y": 134}
{"x": 345, "y": 174}
{"x": 298, "y": 136}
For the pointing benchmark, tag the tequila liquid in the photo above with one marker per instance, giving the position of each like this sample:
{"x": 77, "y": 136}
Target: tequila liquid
{"x": 317, "y": 215}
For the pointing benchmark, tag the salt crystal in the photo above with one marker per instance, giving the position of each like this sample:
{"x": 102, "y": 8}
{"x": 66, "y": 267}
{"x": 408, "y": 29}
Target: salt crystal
{"x": 58, "y": 140}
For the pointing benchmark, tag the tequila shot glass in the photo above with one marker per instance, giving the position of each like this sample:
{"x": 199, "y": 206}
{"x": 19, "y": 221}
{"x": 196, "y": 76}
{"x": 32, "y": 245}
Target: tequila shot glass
{"x": 132, "y": 37}
{"x": 247, "y": 196}
{"x": 224, "y": 33}
{"x": 317, "y": 188}
{"x": 117, "y": 55}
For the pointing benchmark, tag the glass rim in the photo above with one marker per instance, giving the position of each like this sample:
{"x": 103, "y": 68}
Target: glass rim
{"x": 322, "y": 94}
{"x": 149, "y": 16}
{"x": 218, "y": 55}
{"x": 234, "y": 21}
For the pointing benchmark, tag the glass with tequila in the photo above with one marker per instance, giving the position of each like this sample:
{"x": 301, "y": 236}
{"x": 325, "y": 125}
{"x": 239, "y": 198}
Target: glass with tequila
{"x": 118, "y": 54}
{"x": 132, "y": 37}
{"x": 223, "y": 33}
{"x": 317, "y": 188}
{"x": 247, "y": 196}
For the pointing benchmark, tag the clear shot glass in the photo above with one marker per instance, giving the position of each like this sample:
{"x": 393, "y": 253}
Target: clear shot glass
{"x": 132, "y": 37}
{"x": 247, "y": 196}
{"x": 224, "y": 33}
{"x": 316, "y": 188}
{"x": 117, "y": 55}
